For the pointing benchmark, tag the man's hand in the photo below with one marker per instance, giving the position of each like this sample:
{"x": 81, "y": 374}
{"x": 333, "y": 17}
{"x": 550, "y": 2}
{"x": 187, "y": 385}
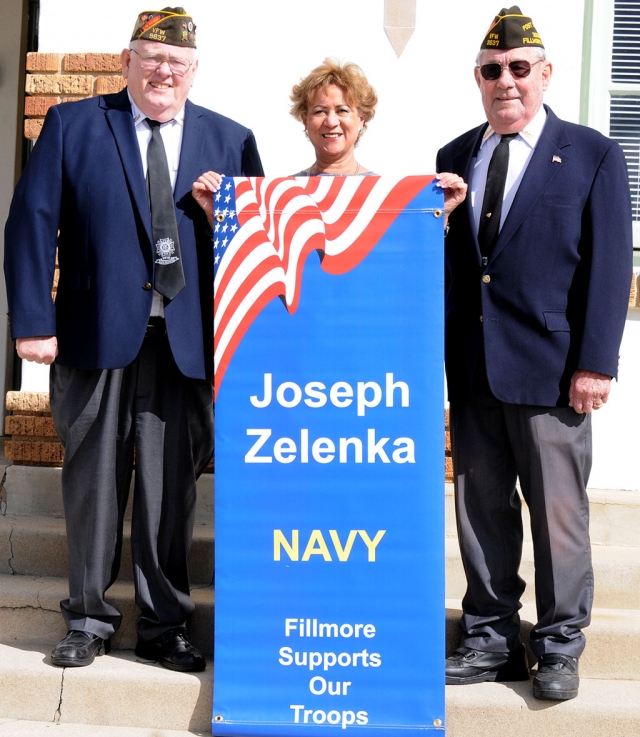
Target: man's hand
{"x": 202, "y": 192}
{"x": 588, "y": 391}
{"x": 41, "y": 349}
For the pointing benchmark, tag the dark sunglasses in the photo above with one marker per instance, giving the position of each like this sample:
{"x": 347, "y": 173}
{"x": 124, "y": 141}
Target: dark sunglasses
{"x": 518, "y": 69}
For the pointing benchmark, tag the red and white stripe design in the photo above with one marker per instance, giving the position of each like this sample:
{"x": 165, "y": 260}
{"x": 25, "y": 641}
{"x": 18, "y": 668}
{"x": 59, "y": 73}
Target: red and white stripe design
{"x": 281, "y": 222}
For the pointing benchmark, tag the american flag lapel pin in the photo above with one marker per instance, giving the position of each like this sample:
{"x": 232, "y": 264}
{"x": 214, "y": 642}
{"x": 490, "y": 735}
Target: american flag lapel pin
{"x": 556, "y": 159}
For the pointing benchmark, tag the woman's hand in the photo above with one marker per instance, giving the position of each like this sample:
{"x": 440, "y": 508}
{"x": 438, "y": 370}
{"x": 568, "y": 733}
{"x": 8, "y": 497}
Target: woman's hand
{"x": 202, "y": 191}
{"x": 455, "y": 191}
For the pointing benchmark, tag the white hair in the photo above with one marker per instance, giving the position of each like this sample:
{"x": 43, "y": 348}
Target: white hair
{"x": 539, "y": 52}
{"x": 191, "y": 54}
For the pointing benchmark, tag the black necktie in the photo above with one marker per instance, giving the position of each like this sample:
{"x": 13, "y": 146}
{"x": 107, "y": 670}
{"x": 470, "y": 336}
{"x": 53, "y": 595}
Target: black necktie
{"x": 168, "y": 273}
{"x": 493, "y": 195}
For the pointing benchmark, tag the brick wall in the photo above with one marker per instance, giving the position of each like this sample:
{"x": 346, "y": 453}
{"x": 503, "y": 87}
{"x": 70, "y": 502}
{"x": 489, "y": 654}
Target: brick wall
{"x": 34, "y": 441}
{"x": 634, "y": 297}
{"x": 54, "y": 78}
{"x": 448, "y": 462}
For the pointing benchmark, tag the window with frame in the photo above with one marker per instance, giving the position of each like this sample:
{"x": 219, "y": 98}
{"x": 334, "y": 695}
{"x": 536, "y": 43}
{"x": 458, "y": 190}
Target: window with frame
{"x": 611, "y": 79}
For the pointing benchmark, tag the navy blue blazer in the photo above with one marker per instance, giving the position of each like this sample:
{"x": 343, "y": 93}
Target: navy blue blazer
{"x": 553, "y": 296}
{"x": 84, "y": 192}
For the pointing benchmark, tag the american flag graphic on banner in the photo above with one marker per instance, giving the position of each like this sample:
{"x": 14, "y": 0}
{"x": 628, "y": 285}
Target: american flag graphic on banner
{"x": 264, "y": 230}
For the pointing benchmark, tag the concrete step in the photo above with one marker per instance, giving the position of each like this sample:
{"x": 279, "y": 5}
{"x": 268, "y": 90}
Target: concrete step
{"x": 614, "y": 517}
{"x": 602, "y": 709}
{"x": 37, "y": 546}
{"x": 37, "y": 491}
{"x": 153, "y": 702}
{"x": 613, "y": 641}
{"x": 117, "y": 690}
{"x": 20, "y": 728}
{"x": 616, "y": 574}
{"x": 30, "y": 613}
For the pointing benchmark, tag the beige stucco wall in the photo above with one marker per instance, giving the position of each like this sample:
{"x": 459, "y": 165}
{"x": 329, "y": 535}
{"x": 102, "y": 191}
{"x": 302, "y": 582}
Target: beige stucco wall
{"x": 252, "y": 52}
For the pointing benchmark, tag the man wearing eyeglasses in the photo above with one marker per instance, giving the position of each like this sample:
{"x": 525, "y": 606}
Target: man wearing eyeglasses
{"x": 129, "y": 339}
{"x": 538, "y": 274}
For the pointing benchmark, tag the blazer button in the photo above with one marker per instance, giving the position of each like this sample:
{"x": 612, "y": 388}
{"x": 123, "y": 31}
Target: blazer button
{"x": 147, "y": 286}
{"x": 486, "y": 278}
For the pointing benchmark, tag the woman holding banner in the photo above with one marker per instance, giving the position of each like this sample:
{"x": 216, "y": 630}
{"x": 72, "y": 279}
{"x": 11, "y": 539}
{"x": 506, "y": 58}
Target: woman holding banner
{"x": 335, "y": 103}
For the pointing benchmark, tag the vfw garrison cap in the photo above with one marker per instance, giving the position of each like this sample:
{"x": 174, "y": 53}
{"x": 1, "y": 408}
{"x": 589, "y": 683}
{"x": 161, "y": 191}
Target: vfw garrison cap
{"x": 511, "y": 30}
{"x": 169, "y": 25}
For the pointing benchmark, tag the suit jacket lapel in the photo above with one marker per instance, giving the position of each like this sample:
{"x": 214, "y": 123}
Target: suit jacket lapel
{"x": 540, "y": 172}
{"x": 191, "y": 157}
{"x": 463, "y": 164}
{"x": 118, "y": 114}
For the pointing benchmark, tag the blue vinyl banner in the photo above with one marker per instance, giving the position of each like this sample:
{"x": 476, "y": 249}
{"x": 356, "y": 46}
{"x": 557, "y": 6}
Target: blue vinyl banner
{"x": 329, "y": 457}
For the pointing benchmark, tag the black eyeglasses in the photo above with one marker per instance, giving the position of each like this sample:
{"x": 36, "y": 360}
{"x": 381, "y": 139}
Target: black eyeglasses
{"x": 518, "y": 69}
{"x": 176, "y": 64}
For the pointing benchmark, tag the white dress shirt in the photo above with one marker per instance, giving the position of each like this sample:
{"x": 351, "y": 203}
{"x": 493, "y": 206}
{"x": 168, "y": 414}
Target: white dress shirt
{"x": 520, "y": 152}
{"x": 171, "y": 133}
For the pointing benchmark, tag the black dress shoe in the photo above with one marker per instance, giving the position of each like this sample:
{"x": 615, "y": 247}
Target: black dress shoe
{"x": 557, "y": 677}
{"x": 174, "y": 650}
{"x": 467, "y": 666}
{"x": 78, "y": 648}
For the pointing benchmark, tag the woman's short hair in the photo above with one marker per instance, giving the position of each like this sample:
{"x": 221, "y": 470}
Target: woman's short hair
{"x": 349, "y": 77}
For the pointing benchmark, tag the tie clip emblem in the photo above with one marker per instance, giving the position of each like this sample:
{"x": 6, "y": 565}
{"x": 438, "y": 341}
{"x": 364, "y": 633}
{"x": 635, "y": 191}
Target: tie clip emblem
{"x": 165, "y": 249}
{"x": 556, "y": 159}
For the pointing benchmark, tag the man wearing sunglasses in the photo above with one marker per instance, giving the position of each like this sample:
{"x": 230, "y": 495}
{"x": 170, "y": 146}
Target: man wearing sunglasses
{"x": 538, "y": 274}
{"x": 109, "y": 186}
